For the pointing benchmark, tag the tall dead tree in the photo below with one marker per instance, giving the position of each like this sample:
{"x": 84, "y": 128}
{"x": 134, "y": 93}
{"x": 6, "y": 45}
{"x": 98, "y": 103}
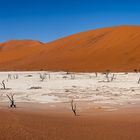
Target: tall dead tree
{"x": 11, "y": 98}
{"x": 73, "y": 107}
{"x": 3, "y": 84}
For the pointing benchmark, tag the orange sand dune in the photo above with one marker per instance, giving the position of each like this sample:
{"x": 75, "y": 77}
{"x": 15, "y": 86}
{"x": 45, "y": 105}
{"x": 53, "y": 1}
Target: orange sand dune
{"x": 17, "y": 50}
{"x": 115, "y": 48}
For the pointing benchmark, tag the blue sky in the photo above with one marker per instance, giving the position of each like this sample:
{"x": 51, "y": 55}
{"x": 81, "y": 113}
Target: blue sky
{"x": 48, "y": 20}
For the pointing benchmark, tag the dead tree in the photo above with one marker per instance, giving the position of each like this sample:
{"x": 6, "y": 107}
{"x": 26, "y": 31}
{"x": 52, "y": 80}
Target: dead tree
{"x": 16, "y": 76}
{"x": 96, "y": 74}
{"x": 73, "y": 107}
{"x": 107, "y": 77}
{"x": 107, "y": 74}
{"x": 49, "y": 76}
{"x": 3, "y": 84}
{"x": 113, "y": 77}
{"x": 139, "y": 81}
{"x": 72, "y": 76}
{"x": 67, "y": 72}
{"x": 65, "y": 77}
{"x": 42, "y": 77}
{"x": 11, "y": 98}
{"x": 9, "y": 76}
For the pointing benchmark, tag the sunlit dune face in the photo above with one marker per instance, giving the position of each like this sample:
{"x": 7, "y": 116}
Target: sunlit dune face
{"x": 115, "y": 48}
{"x": 18, "y": 44}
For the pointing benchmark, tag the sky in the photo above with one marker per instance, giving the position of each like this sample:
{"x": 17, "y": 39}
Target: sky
{"x": 48, "y": 20}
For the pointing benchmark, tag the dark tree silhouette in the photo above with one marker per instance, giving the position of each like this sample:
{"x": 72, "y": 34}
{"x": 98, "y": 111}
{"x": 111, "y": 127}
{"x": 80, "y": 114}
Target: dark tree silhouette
{"x": 11, "y": 98}
{"x": 73, "y": 107}
{"x": 3, "y": 84}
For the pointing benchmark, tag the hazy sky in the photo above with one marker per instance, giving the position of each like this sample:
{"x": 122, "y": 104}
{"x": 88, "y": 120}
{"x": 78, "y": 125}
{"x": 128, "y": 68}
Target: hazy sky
{"x": 47, "y": 20}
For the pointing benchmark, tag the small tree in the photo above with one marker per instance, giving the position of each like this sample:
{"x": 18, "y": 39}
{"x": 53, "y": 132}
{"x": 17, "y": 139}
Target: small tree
{"x": 73, "y": 107}
{"x": 11, "y": 98}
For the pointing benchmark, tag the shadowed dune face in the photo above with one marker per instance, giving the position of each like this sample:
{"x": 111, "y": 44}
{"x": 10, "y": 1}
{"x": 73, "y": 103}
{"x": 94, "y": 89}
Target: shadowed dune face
{"x": 115, "y": 48}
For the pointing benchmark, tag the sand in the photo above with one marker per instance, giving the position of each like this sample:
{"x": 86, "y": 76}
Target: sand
{"x": 57, "y": 122}
{"x": 114, "y": 48}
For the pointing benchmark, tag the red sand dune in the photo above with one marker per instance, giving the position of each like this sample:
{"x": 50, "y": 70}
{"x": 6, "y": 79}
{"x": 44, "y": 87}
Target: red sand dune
{"x": 115, "y": 48}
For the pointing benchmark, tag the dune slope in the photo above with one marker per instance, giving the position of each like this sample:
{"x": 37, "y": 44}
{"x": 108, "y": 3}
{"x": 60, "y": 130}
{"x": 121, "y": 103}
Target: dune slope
{"x": 114, "y": 48}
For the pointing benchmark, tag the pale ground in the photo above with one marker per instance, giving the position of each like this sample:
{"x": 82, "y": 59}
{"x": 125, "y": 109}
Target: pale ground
{"x": 60, "y": 87}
